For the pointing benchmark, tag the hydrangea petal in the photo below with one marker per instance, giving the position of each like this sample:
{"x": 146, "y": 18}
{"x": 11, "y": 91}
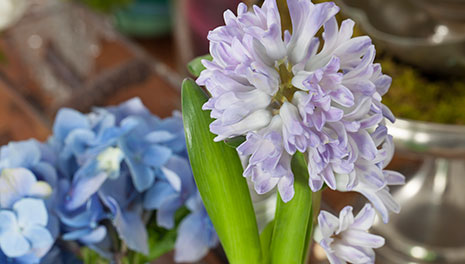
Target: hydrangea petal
{"x": 156, "y": 156}
{"x": 130, "y": 227}
{"x": 14, "y": 244}
{"x": 31, "y": 212}
{"x": 156, "y": 195}
{"x": 165, "y": 214}
{"x": 14, "y": 184}
{"x": 40, "y": 239}
{"x": 66, "y": 121}
{"x": 7, "y": 222}
{"x": 20, "y": 154}
{"x": 191, "y": 244}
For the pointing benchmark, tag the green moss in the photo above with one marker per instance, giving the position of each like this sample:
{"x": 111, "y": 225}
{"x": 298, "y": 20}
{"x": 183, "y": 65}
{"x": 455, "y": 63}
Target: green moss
{"x": 414, "y": 95}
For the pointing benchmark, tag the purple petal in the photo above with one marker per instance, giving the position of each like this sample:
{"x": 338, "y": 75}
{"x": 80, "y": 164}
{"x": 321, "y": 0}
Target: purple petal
{"x": 365, "y": 144}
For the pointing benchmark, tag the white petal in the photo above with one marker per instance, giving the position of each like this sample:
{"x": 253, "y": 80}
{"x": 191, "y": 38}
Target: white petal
{"x": 362, "y": 239}
{"x": 346, "y": 219}
{"x": 350, "y": 254}
{"x": 365, "y": 218}
{"x": 254, "y": 121}
{"x": 328, "y": 223}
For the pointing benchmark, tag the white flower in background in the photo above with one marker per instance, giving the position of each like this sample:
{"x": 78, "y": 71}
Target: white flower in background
{"x": 347, "y": 239}
{"x": 11, "y": 11}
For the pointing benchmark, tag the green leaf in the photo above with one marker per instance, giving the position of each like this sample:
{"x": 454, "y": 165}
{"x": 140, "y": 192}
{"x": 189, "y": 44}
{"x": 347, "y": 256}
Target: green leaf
{"x": 91, "y": 257}
{"x": 218, "y": 174}
{"x": 293, "y": 219}
{"x": 265, "y": 241}
{"x": 195, "y": 66}
{"x": 235, "y": 142}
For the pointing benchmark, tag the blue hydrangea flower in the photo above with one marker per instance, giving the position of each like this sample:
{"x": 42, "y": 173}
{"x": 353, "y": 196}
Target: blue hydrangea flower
{"x": 84, "y": 223}
{"x": 97, "y": 183}
{"x": 23, "y": 231}
{"x": 196, "y": 234}
{"x": 171, "y": 192}
{"x": 34, "y": 171}
{"x": 121, "y": 164}
{"x": 28, "y": 181}
{"x": 346, "y": 239}
{"x": 316, "y": 94}
{"x": 18, "y": 183}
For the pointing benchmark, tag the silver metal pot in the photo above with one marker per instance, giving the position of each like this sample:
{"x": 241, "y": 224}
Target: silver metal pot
{"x": 431, "y": 226}
{"x": 424, "y": 33}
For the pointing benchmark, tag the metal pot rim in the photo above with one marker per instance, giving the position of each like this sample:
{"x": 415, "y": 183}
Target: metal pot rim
{"x": 428, "y": 138}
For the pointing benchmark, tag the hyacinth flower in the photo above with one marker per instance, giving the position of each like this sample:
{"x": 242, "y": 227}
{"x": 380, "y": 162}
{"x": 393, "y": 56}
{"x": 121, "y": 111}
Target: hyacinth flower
{"x": 28, "y": 225}
{"x": 294, "y": 92}
{"x": 304, "y": 107}
{"x": 347, "y": 239}
{"x": 120, "y": 169}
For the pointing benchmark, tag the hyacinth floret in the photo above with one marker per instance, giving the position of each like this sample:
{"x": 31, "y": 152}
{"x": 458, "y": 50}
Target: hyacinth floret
{"x": 346, "y": 238}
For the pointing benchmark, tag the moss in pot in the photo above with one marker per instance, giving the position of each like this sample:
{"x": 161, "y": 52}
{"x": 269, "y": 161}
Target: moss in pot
{"x": 417, "y": 96}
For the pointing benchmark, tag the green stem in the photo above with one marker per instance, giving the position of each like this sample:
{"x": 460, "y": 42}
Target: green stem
{"x": 316, "y": 202}
{"x": 293, "y": 222}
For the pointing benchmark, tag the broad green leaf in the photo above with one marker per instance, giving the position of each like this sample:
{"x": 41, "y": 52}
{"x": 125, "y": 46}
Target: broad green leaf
{"x": 218, "y": 174}
{"x": 293, "y": 219}
{"x": 235, "y": 142}
{"x": 265, "y": 241}
{"x": 195, "y": 66}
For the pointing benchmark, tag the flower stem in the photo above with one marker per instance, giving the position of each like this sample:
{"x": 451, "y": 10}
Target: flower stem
{"x": 293, "y": 220}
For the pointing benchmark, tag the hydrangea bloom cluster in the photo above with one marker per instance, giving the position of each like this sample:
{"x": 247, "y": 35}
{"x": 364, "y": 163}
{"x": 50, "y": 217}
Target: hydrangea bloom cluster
{"x": 319, "y": 95}
{"x": 120, "y": 164}
{"x": 100, "y": 175}
{"x": 28, "y": 226}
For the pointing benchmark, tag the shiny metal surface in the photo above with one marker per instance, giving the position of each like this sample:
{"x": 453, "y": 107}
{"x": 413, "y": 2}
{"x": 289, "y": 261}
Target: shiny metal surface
{"x": 431, "y": 226}
{"x": 416, "y": 31}
{"x": 444, "y": 10}
{"x": 423, "y": 138}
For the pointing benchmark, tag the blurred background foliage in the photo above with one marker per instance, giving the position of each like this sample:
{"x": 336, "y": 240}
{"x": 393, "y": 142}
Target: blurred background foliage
{"x": 105, "y": 5}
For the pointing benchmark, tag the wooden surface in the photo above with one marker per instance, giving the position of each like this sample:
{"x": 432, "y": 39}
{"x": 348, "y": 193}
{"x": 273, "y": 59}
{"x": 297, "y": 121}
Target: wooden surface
{"x": 17, "y": 120}
{"x": 24, "y": 111}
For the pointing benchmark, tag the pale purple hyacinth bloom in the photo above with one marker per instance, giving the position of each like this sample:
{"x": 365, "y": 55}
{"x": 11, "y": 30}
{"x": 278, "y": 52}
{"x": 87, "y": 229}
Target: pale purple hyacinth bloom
{"x": 371, "y": 180}
{"x": 346, "y": 239}
{"x": 319, "y": 95}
